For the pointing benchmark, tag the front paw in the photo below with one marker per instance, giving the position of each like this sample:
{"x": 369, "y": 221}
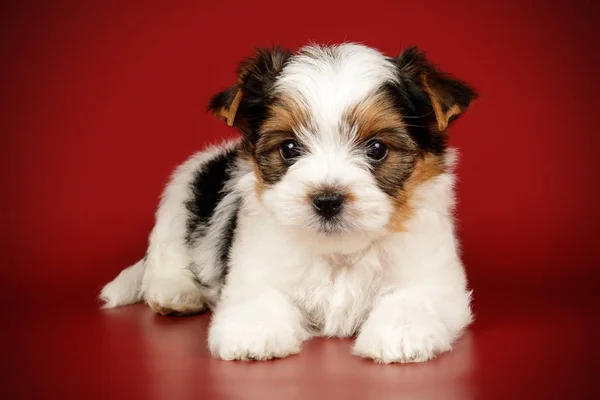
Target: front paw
{"x": 246, "y": 338}
{"x": 403, "y": 342}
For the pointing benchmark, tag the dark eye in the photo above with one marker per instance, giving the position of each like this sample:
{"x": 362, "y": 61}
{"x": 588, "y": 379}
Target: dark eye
{"x": 376, "y": 150}
{"x": 289, "y": 150}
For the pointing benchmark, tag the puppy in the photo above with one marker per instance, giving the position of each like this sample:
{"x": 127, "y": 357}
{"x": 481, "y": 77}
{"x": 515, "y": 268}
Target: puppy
{"x": 330, "y": 216}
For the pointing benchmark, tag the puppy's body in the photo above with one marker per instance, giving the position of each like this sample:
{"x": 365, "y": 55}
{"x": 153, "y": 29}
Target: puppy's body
{"x": 300, "y": 228}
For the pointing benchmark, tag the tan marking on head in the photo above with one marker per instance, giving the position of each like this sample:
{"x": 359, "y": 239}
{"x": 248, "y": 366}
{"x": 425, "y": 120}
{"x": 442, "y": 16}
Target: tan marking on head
{"x": 286, "y": 115}
{"x": 376, "y": 114}
{"x": 269, "y": 166}
{"x": 426, "y": 168}
{"x": 284, "y": 118}
{"x": 378, "y": 118}
{"x": 260, "y": 185}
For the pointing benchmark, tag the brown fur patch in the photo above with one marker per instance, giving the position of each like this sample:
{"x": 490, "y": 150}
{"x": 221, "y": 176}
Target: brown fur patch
{"x": 230, "y": 116}
{"x": 443, "y": 113}
{"x": 426, "y": 168}
{"x": 377, "y": 118}
{"x": 227, "y": 105}
{"x": 270, "y": 167}
{"x": 284, "y": 118}
{"x": 285, "y": 115}
{"x": 376, "y": 114}
{"x": 260, "y": 183}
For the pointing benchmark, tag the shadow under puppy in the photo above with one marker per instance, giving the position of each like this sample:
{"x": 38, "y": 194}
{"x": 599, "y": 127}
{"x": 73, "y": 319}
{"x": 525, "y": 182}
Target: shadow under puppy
{"x": 330, "y": 216}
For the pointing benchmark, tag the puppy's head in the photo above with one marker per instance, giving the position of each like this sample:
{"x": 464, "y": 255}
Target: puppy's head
{"x": 340, "y": 136}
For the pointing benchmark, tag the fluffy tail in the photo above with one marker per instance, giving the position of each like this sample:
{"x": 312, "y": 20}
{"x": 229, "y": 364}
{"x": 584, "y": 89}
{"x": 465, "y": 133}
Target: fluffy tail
{"x": 126, "y": 288}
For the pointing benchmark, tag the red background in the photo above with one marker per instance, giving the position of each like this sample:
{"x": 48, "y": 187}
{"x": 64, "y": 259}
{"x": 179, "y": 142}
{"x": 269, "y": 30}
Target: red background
{"x": 101, "y": 100}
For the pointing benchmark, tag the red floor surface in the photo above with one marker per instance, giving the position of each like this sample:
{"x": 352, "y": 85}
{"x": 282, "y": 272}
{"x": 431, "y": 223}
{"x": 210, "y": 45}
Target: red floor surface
{"x": 519, "y": 348}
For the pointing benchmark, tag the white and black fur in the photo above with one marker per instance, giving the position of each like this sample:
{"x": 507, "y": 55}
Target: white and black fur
{"x": 238, "y": 230}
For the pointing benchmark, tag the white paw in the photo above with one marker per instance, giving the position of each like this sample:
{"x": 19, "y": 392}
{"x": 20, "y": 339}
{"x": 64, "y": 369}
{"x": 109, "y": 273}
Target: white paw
{"x": 174, "y": 295}
{"x": 118, "y": 293}
{"x": 125, "y": 288}
{"x": 390, "y": 342}
{"x": 247, "y": 338}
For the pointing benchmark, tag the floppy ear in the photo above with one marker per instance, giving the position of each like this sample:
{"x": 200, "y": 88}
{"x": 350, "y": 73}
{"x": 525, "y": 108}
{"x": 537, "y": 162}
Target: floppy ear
{"x": 244, "y": 105}
{"x": 449, "y": 96}
{"x": 224, "y": 105}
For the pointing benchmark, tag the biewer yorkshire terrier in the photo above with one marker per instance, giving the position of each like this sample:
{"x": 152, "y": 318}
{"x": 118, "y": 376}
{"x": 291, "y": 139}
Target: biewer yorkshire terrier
{"x": 330, "y": 216}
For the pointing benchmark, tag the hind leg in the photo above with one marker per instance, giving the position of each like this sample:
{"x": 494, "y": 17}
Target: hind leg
{"x": 169, "y": 286}
{"x": 174, "y": 291}
{"x": 173, "y": 282}
{"x": 125, "y": 288}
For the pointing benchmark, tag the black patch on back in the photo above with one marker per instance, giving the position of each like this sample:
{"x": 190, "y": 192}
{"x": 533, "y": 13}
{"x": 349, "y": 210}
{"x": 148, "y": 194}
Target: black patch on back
{"x": 227, "y": 239}
{"x": 206, "y": 193}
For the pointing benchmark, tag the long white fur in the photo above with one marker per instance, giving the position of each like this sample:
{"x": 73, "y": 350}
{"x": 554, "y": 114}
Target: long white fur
{"x": 403, "y": 294}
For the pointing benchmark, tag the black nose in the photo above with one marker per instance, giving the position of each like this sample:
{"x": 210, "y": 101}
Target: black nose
{"x": 328, "y": 205}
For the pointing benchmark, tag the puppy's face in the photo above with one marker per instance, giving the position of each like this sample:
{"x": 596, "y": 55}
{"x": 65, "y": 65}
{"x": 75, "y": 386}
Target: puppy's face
{"x": 340, "y": 136}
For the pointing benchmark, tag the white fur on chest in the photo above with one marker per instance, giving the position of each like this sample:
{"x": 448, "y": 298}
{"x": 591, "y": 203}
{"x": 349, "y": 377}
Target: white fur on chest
{"x": 336, "y": 292}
